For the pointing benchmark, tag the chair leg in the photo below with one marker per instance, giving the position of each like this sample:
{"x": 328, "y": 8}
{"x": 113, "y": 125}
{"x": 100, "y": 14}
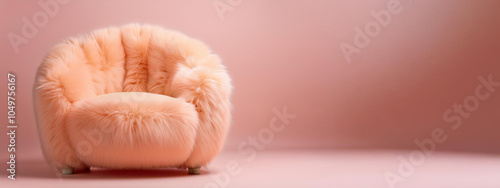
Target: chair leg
{"x": 194, "y": 170}
{"x": 67, "y": 171}
{"x": 86, "y": 170}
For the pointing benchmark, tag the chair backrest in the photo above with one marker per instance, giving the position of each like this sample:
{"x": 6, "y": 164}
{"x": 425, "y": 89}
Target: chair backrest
{"x": 133, "y": 58}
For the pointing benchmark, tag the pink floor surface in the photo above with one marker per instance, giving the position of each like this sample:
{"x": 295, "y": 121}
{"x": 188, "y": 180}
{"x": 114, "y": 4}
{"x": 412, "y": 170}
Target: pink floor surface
{"x": 285, "y": 168}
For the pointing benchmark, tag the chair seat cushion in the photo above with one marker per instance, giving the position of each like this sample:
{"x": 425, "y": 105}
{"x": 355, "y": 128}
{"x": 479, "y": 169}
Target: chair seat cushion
{"x": 132, "y": 130}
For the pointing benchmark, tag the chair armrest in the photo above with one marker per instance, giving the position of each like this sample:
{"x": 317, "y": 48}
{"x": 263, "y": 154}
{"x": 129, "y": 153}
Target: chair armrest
{"x": 207, "y": 85}
{"x": 57, "y": 85}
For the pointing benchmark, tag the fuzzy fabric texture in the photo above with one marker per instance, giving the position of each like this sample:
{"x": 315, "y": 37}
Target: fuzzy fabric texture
{"x": 138, "y": 96}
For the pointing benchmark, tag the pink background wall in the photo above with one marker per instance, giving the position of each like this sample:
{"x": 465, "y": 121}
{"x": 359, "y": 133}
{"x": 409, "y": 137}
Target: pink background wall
{"x": 286, "y": 53}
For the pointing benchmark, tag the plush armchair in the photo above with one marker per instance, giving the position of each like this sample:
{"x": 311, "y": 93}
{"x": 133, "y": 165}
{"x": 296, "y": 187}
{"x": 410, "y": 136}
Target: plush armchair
{"x": 138, "y": 96}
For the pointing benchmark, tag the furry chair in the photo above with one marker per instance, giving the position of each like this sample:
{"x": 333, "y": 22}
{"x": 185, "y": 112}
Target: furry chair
{"x": 137, "y": 96}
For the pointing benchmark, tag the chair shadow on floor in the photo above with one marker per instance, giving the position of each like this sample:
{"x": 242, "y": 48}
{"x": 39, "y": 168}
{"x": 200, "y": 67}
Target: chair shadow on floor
{"x": 40, "y": 169}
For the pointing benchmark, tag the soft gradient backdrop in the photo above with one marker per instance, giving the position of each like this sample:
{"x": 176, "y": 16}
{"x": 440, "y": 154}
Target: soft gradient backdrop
{"x": 287, "y": 53}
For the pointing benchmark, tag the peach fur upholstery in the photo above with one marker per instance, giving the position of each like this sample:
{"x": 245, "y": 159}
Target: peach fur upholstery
{"x": 138, "y": 96}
